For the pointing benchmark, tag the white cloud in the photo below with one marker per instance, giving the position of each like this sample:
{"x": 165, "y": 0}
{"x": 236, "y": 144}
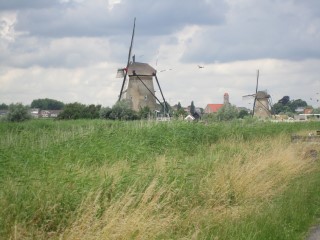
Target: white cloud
{"x": 7, "y": 27}
{"x": 86, "y": 85}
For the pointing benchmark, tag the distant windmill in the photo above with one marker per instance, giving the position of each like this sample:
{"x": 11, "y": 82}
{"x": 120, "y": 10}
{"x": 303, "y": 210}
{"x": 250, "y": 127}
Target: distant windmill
{"x": 138, "y": 90}
{"x": 262, "y": 102}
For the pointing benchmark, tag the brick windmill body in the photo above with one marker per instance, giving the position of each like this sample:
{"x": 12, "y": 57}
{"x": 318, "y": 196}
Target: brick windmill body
{"x": 140, "y": 91}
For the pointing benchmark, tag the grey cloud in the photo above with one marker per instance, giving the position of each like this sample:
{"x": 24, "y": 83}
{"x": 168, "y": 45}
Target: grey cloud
{"x": 59, "y": 53}
{"x": 92, "y": 18}
{"x": 26, "y": 4}
{"x": 273, "y": 30}
{"x": 309, "y": 6}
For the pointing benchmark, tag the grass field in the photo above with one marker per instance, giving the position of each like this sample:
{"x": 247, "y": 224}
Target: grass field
{"x": 99, "y": 179}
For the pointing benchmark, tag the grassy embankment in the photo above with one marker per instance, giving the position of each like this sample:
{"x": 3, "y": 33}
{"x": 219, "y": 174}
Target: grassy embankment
{"x": 139, "y": 180}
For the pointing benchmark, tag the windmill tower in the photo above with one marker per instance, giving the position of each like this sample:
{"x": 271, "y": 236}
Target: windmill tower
{"x": 138, "y": 90}
{"x": 262, "y": 102}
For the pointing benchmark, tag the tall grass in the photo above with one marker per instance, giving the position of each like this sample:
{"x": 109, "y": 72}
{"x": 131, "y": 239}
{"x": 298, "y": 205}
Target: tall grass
{"x": 142, "y": 180}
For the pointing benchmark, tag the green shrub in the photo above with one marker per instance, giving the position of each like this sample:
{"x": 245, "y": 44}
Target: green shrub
{"x": 18, "y": 113}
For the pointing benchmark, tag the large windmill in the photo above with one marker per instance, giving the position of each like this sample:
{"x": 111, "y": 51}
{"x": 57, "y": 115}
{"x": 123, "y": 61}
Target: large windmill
{"x": 138, "y": 89}
{"x": 262, "y": 104}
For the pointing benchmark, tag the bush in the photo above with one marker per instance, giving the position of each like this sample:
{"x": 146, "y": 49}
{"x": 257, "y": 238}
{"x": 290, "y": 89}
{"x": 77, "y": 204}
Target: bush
{"x": 18, "y": 113}
{"x": 144, "y": 112}
{"x": 243, "y": 113}
{"x": 80, "y": 111}
{"x": 105, "y": 112}
{"x": 227, "y": 112}
{"x": 122, "y": 111}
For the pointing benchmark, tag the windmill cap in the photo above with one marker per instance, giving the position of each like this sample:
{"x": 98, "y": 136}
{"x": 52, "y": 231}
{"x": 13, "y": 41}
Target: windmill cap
{"x": 262, "y": 94}
{"x": 140, "y": 69}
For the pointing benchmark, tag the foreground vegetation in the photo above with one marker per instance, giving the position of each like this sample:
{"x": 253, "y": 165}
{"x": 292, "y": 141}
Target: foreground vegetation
{"x": 145, "y": 180}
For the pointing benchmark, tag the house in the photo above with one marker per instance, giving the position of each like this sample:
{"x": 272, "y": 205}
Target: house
{"x": 55, "y": 113}
{"x": 34, "y": 112}
{"x": 307, "y": 110}
{"x": 299, "y": 110}
{"x": 213, "y": 108}
{"x": 49, "y": 113}
{"x": 3, "y": 112}
{"x": 304, "y": 110}
{"x": 189, "y": 118}
{"x": 308, "y": 116}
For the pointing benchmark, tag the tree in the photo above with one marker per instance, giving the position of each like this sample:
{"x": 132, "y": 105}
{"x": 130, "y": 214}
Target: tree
{"x": 4, "y": 106}
{"x": 18, "y": 113}
{"x": 105, "y": 112}
{"x": 316, "y": 111}
{"x": 277, "y": 108}
{"x": 92, "y": 111}
{"x": 179, "y": 106}
{"x": 73, "y": 111}
{"x": 284, "y": 100}
{"x": 78, "y": 110}
{"x": 144, "y": 112}
{"x": 180, "y": 113}
{"x": 227, "y": 112}
{"x": 192, "y": 108}
{"x": 47, "y": 104}
{"x": 287, "y": 106}
{"x": 243, "y": 113}
{"x": 294, "y": 104}
{"x": 122, "y": 111}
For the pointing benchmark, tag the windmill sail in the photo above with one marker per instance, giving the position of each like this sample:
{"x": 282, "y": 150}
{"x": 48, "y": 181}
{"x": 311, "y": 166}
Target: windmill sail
{"x": 125, "y": 71}
{"x": 255, "y": 99}
{"x": 120, "y": 73}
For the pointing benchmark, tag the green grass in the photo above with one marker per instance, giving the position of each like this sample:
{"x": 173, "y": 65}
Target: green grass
{"x": 159, "y": 175}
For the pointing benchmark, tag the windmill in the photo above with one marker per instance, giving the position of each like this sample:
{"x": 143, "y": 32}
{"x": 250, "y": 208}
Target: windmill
{"x": 261, "y": 103}
{"x": 138, "y": 89}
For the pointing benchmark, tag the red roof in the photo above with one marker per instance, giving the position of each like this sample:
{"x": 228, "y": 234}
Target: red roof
{"x": 307, "y": 110}
{"x": 212, "y": 108}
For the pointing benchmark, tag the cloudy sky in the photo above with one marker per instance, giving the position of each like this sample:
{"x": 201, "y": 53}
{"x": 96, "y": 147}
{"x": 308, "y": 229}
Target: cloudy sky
{"x": 69, "y": 50}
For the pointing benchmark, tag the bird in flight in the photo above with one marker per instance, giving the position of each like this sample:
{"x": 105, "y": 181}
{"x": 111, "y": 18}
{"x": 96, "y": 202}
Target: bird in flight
{"x": 200, "y": 66}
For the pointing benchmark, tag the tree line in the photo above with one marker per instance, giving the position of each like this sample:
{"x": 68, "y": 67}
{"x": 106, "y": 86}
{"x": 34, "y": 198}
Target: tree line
{"x": 122, "y": 110}
{"x": 17, "y": 112}
{"x": 287, "y": 106}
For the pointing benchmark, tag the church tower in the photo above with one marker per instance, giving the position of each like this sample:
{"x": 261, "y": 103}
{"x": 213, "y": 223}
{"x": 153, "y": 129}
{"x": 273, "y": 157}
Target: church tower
{"x": 226, "y": 99}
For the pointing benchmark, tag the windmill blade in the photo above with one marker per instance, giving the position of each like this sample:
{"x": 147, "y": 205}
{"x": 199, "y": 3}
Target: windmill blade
{"x": 128, "y": 62}
{"x": 257, "y": 81}
{"x": 249, "y": 96}
{"x": 254, "y": 105}
{"x": 271, "y": 105}
{"x": 255, "y": 99}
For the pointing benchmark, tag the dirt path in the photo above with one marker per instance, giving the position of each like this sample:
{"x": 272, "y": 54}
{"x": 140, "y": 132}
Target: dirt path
{"x": 314, "y": 233}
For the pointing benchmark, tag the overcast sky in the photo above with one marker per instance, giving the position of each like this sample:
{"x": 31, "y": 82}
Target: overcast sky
{"x": 70, "y": 50}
